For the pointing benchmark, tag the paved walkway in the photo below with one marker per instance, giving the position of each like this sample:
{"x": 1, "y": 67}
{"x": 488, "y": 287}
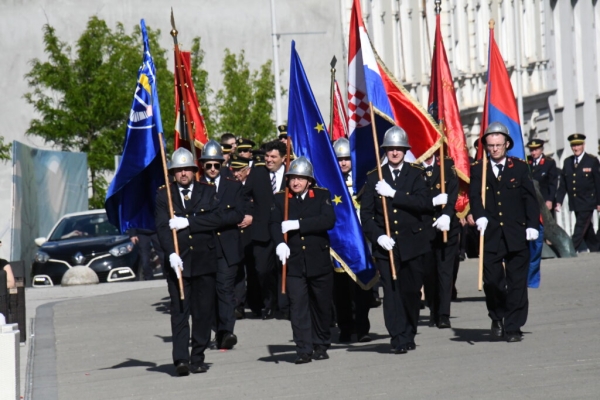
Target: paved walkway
{"x": 112, "y": 341}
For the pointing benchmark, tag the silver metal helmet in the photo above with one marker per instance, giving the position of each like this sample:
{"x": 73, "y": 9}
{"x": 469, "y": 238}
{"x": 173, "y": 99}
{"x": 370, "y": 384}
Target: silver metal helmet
{"x": 301, "y": 167}
{"x": 342, "y": 148}
{"x": 498, "y": 128}
{"x": 212, "y": 151}
{"x": 181, "y": 158}
{"x": 395, "y": 137}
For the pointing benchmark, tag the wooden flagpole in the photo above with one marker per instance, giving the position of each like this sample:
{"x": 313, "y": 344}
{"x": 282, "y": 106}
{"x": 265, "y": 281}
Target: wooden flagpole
{"x": 383, "y": 199}
{"x": 481, "y": 237}
{"x": 286, "y": 209}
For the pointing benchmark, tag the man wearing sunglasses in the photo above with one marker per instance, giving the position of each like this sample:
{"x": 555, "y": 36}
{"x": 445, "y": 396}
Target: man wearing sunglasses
{"x": 229, "y": 243}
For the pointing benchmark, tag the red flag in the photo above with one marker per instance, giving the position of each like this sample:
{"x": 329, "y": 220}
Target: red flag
{"x": 444, "y": 107}
{"x": 198, "y": 133}
{"x": 340, "y": 118}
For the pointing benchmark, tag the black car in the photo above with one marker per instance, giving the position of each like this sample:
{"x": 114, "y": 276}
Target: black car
{"x": 85, "y": 238}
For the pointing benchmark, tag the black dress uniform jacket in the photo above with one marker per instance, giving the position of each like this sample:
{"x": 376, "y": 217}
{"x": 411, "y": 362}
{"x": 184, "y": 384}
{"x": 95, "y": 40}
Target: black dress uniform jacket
{"x": 406, "y": 212}
{"x": 546, "y": 173}
{"x": 581, "y": 183}
{"x": 258, "y": 188}
{"x": 510, "y": 204}
{"x": 309, "y": 245}
{"x": 229, "y": 198}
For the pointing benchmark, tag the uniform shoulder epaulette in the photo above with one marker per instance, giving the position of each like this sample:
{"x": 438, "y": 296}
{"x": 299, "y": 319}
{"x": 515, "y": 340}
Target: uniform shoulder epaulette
{"x": 371, "y": 171}
{"x": 548, "y": 158}
{"x": 475, "y": 162}
{"x": 518, "y": 159}
{"x": 448, "y": 158}
{"x": 204, "y": 183}
{"x": 161, "y": 187}
{"x": 229, "y": 178}
{"x": 281, "y": 191}
{"x": 416, "y": 166}
{"x": 320, "y": 188}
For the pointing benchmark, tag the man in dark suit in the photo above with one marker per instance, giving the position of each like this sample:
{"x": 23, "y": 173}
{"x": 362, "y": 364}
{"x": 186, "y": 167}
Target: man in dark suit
{"x": 309, "y": 272}
{"x": 439, "y": 264}
{"x": 196, "y": 218}
{"x": 508, "y": 220}
{"x": 229, "y": 242}
{"x": 543, "y": 170}
{"x": 404, "y": 190}
{"x": 580, "y": 179}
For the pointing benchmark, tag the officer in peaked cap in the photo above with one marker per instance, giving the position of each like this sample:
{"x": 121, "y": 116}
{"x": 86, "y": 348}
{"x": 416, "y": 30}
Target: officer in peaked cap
{"x": 244, "y": 147}
{"x": 346, "y": 292}
{"x": 580, "y": 179}
{"x": 407, "y": 196}
{"x": 229, "y": 242}
{"x": 309, "y": 269}
{"x": 543, "y": 170}
{"x": 283, "y": 135}
{"x": 196, "y": 221}
{"x": 226, "y": 151}
{"x": 508, "y": 220}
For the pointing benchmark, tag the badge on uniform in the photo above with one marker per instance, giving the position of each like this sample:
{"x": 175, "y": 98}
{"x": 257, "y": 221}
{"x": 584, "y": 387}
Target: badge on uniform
{"x": 587, "y": 170}
{"x": 186, "y": 197}
{"x": 429, "y": 173}
{"x": 437, "y": 186}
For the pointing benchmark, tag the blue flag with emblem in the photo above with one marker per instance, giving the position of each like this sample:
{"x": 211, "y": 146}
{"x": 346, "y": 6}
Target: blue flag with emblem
{"x": 310, "y": 138}
{"x": 131, "y": 196}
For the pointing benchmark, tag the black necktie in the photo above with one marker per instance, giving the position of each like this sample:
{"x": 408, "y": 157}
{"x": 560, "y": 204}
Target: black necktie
{"x": 499, "y": 166}
{"x": 396, "y": 173}
{"x": 299, "y": 198}
{"x": 575, "y": 163}
{"x": 186, "y": 198}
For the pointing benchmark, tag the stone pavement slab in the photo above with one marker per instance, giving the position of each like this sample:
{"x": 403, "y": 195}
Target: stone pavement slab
{"x": 117, "y": 346}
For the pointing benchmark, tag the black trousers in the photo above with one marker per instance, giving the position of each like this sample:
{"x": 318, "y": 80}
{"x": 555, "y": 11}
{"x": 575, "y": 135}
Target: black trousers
{"x": 199, "y": 303}
{"x": 265, "y": 272}
{"x": 584, "y": 231}
{"x": 401, "y": 298}
{"x": 352, "y": 305}
{"x": 145, "y": 244}
{"x": 439, "y": 272}
{"x": 505, "y": 286}
{"x": 226, "y": 301}
{"x": 310, "y": 311}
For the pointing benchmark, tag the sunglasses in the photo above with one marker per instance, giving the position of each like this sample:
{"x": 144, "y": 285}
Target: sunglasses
{"x": 216, "y": 166}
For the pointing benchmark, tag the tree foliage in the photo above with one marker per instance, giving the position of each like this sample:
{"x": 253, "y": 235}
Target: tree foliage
{"x": 4, "y": 150}
{"x": 245, "y": 104}
{"x": 83, "y": 95}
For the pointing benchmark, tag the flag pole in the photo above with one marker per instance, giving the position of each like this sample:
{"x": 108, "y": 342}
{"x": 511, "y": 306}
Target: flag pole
{"x": 170, "y": 204}
{"x": 286, "y": 209}
{"x": 383, "y": 200}
{"x": 183, "y": 100}
{"x": 332, "y": 96}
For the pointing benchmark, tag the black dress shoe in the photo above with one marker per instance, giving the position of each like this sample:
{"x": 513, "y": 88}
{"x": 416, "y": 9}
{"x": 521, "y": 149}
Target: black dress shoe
{"x": 302, "y": 358}
{"x": 401, "y": 349}
{"x": 497, "y": 329}
{"x": 375, "y": 302}
{"x": 320, "y": 354}
{"x": 433, "y": 319}
{"x": 267, "y": 313}
{"x": 444, "y": 322}
{"x": 366, "y": 338}
{"x": 411, "y": 346}
{"x": 345, "y": 337}
{"x": 513, "y": 337}
{"x": 229, "y": 340}
{"x": 182, "y": 368}
{"x": 198, "y": 368}
{"x": 240, "y": 313}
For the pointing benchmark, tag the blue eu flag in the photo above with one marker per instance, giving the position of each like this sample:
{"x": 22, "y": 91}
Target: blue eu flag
{"x": 309, "y": 135}
{"x": 131, "y": 196}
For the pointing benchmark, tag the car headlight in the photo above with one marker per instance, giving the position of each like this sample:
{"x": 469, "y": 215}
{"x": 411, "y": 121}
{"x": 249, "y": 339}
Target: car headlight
{"x": 41, "y": 257}
{"x": 122, "y": 249}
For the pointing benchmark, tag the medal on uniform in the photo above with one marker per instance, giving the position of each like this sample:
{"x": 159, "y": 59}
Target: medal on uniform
{"x": 437, "y": 186}
{"x": 186, "y": 197}
{"x": 429, "y": 173}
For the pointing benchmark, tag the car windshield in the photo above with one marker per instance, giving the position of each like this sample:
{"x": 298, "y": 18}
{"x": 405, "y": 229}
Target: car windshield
{"x": 92, "y": 225}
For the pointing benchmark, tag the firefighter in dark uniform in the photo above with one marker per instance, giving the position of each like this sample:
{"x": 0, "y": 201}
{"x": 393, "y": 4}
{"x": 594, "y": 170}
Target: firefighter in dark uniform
{"x": 543, "y": 170}
{"x": 197, "y": 217}
{"x": 439, "y": 264}
{"x": 244, "y": 147}
{"x": 580, "y": 179}
{"x": 309, "y": 269}
{"x": 508, "y": 220}
{"x": 404, "y": 189}
{"x": 347, "y": 294}
{"x": 229, "y": 241}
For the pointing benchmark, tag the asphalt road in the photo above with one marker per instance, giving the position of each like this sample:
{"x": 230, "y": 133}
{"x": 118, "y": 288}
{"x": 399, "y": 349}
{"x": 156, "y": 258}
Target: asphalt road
{"x": 112, "y": 341}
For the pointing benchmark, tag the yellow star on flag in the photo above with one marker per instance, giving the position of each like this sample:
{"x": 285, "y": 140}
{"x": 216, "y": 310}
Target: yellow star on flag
{"x": 337, "y": 199}
{"x": 319, "y": 127}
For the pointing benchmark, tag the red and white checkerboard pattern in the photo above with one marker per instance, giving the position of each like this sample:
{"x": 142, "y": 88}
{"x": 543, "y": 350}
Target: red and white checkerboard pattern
{"x": 358, "y": 109}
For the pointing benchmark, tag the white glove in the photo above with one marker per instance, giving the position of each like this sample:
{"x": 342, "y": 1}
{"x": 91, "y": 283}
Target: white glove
{"x": 178, "y": 223}
{"x": 384, "y": 189}
{"x": 283, "y": 252}
{"x": 290, "y": 225}
{"x": 532, "y": 234}
{"x": 176, "y": 264}
{"x": 481, "y": 225}
{"x": 440, "y": 200}
{"x": 386, "y": 242}
{"x": 442, "y": 223}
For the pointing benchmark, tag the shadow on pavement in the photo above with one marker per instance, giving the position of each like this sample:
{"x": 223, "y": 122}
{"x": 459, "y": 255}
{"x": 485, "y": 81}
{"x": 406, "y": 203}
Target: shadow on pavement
{"x": 381, "y": 348}
{"x": 165, "y": 339}
{"x": 280, "y": 352}
{"x": 473, "y": 336}
{"x": 151, "y": 366}
{"x": 468, "y": 299}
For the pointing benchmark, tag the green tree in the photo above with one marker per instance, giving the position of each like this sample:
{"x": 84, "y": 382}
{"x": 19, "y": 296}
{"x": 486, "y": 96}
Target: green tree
{"x": 4, "y": 150}
{"x": 83, "y": 96}
{"x": 245, "y": 104}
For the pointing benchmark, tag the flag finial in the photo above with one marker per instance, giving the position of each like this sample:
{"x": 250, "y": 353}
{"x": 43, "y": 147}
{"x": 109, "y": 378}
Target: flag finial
{"x": 438, "y": 6}
{"x": 492, "y": 23}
